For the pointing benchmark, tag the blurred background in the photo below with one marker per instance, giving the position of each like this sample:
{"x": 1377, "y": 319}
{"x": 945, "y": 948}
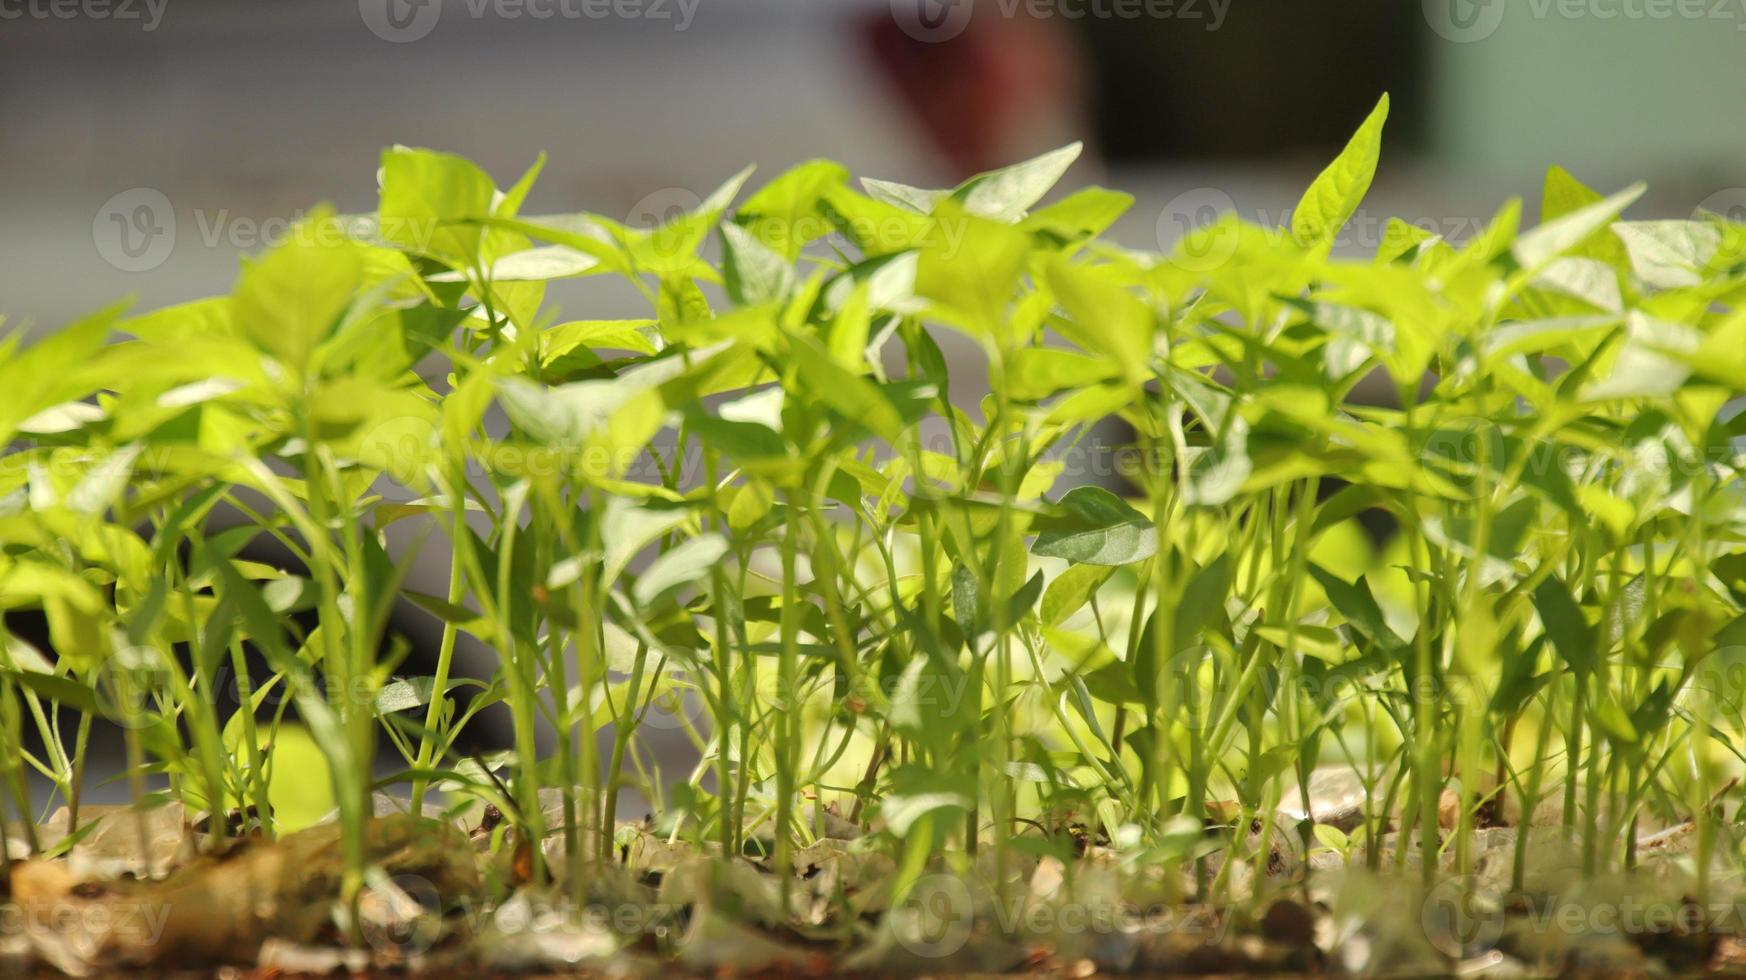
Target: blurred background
{"x": 146, "y": 144}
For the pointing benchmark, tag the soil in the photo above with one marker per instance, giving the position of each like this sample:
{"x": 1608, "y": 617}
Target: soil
{"x": 458, "y": 900}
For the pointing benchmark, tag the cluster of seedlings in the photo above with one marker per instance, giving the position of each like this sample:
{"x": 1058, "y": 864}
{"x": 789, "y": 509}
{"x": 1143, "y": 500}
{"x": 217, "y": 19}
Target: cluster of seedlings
{"x": 912, "y": 640}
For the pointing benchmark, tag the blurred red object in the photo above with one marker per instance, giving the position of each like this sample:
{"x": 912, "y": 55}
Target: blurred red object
{"x": 998, "y": 89}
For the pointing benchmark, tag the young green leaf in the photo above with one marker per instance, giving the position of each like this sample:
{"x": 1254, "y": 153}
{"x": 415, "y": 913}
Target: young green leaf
{"x": 1005, "y": 195}
{"x": 432, "y": 202}
{"x": 1071, "y": 590}
{"x": 1335, "y": 195}
{"x": 1537, "y": 248}
{"x": 1107, "y": 319}
{"x": 1565, "y": 625}
{"x": 288, "y": 300}
{"x": 1670, "y": 254}
{"x": 1098, "y": 528}
{"x": 1036, "y": 373}
{"x": 855, "y": 398}
{"x": 1357, "y": 604}
{"x": 753, "y": 272}
{"x": 681, "y": 566}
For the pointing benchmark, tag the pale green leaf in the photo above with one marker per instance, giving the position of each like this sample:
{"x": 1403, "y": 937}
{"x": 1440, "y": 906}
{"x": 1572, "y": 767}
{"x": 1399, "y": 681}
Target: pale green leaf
{"x": 1007, "y": 194}
{"x": 1537, "y": 248}
{"x": 1335, "y": 195}
{"x": 1100, "y": 529}
{"x": 683, "y": 565}
{"x": 1670, "y": 254}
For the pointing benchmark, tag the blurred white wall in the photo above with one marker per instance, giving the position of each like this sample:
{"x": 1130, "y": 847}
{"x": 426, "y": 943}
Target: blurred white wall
{"x": 241, "y": 115}
{"x": 244, "y": 113}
